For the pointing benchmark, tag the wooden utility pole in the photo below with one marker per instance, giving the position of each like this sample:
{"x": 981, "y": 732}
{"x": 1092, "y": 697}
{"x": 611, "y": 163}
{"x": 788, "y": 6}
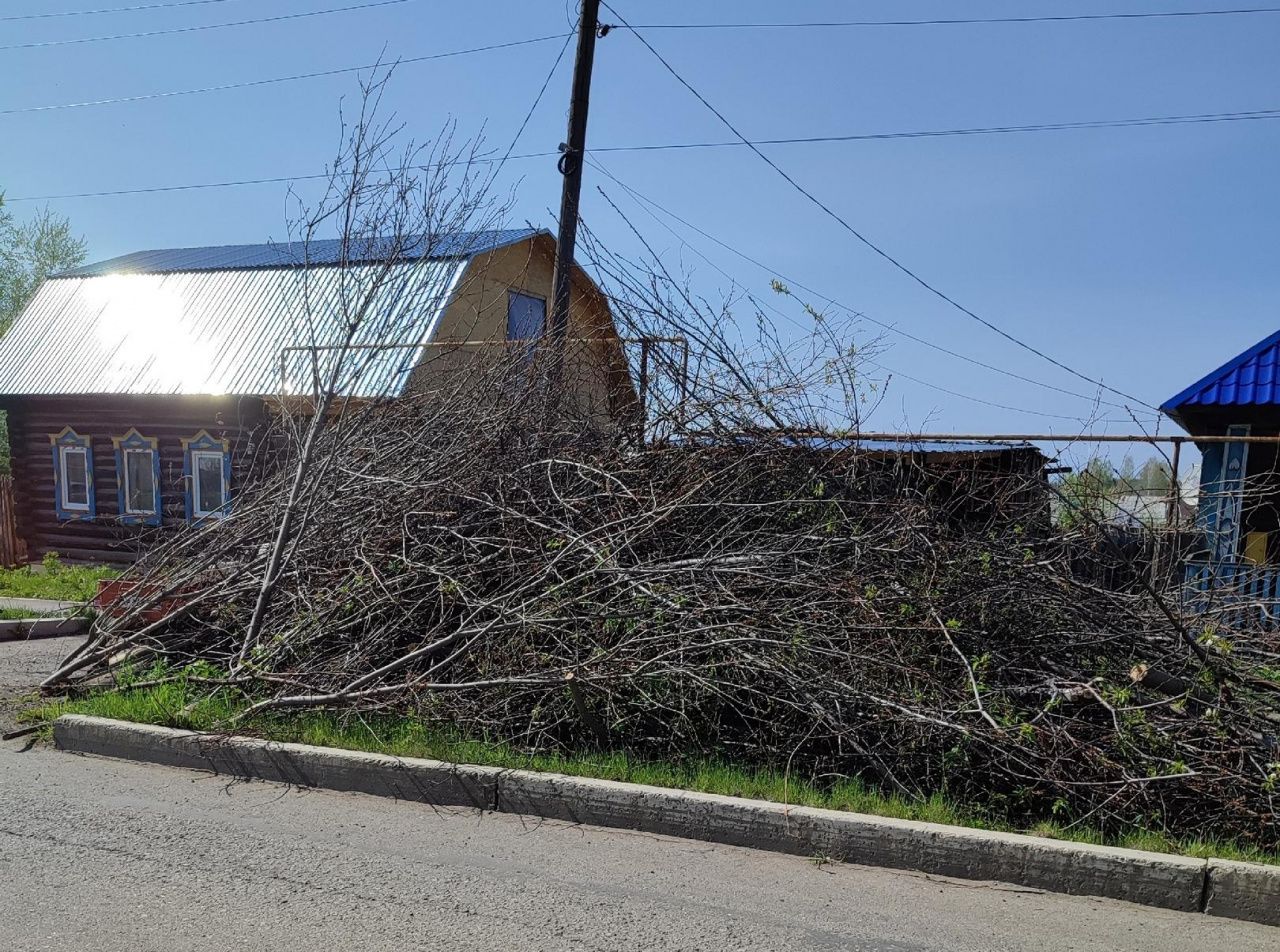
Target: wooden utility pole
{"x": 572, "y": 154}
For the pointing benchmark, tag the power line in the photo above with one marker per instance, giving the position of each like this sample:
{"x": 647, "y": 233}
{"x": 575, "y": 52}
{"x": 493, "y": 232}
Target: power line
{"x": 167, "y": 188}
{"x": 951, "y": 21}
{"x": 875, "y": 365}
{"x": 536, "y": 100}
{"x": 866, "y": 241}
{"x": 799, "y": 140}
{"x": 85, "y": 13}
{"x": 1190, "y": 118}
{"x": 327, "y": 175}
{"x": 791, "y": 282}
{"x": 272, "y": 180}
{"x": 280, "y": 79}
{"x": 197, "y": 29}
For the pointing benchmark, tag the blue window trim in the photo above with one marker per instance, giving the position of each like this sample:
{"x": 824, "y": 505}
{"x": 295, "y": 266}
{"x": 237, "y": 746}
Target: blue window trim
{"x": 57, "y": 443}
{"x": 203, "y": 442}
{"x": 133, "y": 440}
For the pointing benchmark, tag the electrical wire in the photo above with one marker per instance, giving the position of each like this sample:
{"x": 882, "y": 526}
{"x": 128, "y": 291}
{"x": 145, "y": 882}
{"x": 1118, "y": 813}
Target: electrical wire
{"x": 200, "y": 28}
{"x": 803, "y": 140}
{"x": 874, "y": 365}
{"x": 1189, "y": 118}
{"x": 280, "y": 79}
{"x": 791, "y": 282}
{"x": 281, "y": 179}
{"x": 952, "y": 21}
{"x": 990, "y": 325}
{"x": 880, "y": 366}
{"x": 100, "y": 10}
{"x": 536, "y": 100}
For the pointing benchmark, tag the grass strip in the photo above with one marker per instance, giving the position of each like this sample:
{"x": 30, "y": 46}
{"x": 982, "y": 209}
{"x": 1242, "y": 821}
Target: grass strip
{"x": 62, "y": 583}
{"x": 177, "y": 704}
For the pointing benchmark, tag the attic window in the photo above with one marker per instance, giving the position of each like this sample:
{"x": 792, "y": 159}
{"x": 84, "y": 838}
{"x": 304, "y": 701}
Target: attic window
{"x": 207, "y": 470}
{"x": 526, "y": 318}
{"x": 72, "y": 475}
{"x": 138, "y": 478}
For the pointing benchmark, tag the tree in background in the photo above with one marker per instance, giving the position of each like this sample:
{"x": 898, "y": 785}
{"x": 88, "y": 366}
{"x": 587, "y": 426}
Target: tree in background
{"x": 30, "y": 251}
{"x": 1093, "y": 493}
{"x": 1084, "y": 495}
{"x": 1156, "y": 473}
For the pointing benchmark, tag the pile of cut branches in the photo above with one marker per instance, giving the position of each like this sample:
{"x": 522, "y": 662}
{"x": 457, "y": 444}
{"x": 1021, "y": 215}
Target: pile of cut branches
{"x": 770, "y": 600}
{"x": 498, "y": 561}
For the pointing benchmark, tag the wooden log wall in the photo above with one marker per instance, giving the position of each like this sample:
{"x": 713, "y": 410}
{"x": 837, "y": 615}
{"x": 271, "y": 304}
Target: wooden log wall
{"x": 32, "y": 420}
{"x": 13, "y": 551}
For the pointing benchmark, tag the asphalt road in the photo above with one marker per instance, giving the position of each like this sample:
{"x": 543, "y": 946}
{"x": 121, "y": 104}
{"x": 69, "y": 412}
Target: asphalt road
{"x": 23, "y": 665}
{"x": 105, "y": 855}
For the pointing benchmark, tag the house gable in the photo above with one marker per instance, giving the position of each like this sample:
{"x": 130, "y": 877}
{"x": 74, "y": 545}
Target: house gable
{"x": 1250, "y": 379}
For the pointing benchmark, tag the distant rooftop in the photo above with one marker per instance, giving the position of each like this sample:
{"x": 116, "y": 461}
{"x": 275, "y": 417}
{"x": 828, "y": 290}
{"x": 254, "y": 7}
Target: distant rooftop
{"x": 327, "y": 251}
{"x": 907, "y": 444}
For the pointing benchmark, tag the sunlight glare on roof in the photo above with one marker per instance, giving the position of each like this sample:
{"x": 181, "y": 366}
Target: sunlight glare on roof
{"x": 142, "y": 326}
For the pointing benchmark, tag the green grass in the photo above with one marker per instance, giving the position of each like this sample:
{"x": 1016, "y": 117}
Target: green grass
{"x": 67, "y": 583}
{"x": 21, "y": 614}
{"x": 177, "y": 705}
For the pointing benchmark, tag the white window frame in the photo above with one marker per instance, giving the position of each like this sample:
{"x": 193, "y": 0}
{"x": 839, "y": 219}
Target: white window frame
{"x": 150, "y": 454}
{"x": 220, "y": 457}
{"x": 64, "y": 484}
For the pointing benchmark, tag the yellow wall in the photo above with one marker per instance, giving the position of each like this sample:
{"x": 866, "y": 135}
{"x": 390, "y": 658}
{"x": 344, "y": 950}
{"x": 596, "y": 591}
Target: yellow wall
{"x": 472, "y": 332}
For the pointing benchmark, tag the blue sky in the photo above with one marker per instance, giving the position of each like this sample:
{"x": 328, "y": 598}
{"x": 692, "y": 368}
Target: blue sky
{"x": 1144, "y": 256}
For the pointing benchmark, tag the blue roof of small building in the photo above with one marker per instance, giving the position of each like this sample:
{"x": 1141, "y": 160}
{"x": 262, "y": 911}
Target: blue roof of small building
{"x": 1249, "y": 379}
{"x": 294, "y": 254}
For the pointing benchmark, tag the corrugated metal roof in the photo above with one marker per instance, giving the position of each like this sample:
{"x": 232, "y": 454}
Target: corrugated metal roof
{"x": 906, "y": 445}
{"x": 295, "y": 254}
{"x": 219, "y": 332}
{"x": 912, "y": 446}
{"x": 1250, "y": 379}
{"x": 221, "y": 320}
{"x": 930, "y": 446}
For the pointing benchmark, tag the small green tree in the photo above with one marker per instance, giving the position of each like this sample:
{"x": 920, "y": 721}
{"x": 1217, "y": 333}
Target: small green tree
{"x": 1155, "y": 474}
{"x": 30, "y": 251}
{"x": 1084, "y": 494}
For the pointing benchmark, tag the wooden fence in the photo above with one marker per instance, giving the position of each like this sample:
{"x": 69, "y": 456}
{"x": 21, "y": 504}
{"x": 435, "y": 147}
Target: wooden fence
{"x": 13, "y": 551}
{"x": 1236, "y": 593}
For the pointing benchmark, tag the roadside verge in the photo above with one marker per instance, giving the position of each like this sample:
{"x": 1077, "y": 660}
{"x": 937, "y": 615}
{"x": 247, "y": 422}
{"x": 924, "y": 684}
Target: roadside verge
{"x": 24, "y": 629}
{"x": 1216, "y": 887}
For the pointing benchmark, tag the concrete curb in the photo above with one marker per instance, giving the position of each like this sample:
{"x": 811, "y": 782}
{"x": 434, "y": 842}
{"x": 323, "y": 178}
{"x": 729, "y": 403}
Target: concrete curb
{"x": 1233, "y": 890}
{"x": 42, "y": 605}
{"x": 24, "y": 629}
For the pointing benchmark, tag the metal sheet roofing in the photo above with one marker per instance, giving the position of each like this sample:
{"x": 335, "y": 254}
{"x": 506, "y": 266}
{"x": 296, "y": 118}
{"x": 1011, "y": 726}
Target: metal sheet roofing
{"x": 171, "y": 326}
{"x": 904, "y": 445}
{"x": 1249, "y": 379}
{"x": 295, "y": 254}
{"x": 927, "y": 446}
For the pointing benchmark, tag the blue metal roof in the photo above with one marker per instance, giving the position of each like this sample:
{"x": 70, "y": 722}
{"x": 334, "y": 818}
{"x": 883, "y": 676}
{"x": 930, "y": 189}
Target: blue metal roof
{"x": 1250, "y": 379}
{"x": 294, "y": 254}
